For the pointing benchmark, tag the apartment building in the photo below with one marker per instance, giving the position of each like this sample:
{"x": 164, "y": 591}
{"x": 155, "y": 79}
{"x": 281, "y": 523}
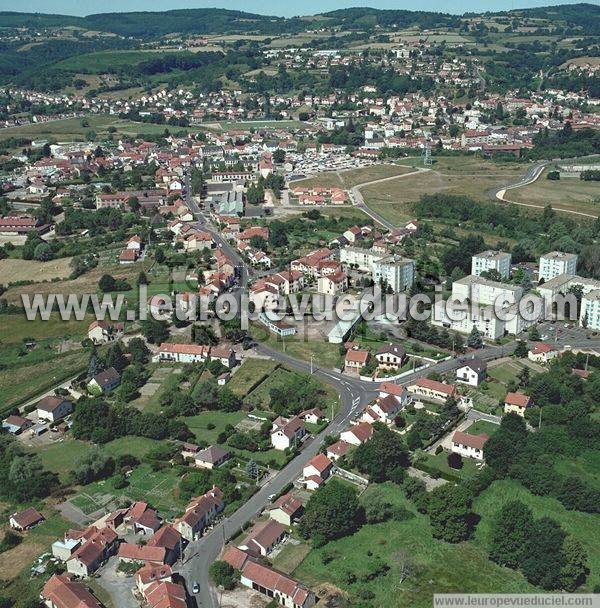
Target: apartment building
{"x": 491, "y": 260}
{"x": 556, "y": 263}
{"x": 394, "y": 271}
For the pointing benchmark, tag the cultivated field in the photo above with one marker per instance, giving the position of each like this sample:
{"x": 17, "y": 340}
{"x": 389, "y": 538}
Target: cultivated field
{"x": 468, "y": 176}
{"x": 352, "y": 177}
{"x": 569, "y": 193}
{"x": 13, "y": 270}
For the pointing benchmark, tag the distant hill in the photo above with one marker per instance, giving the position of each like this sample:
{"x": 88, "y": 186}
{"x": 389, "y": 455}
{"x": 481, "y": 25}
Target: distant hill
{"x": 221, "y": 21}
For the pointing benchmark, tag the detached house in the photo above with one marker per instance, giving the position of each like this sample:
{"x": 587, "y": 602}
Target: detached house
{"x": 105, "y": 382}
{"x": 357, "y": 434}
{"x": 286, "y": 510}
{"x": 468, "y": 445}
{"x": 384, "y": 410}
{"x": 473, "y": 372}
{"x": 433, "y": 389}
{"x": 317, "y": 470}
{"x": 212, "y": 457}
{"x": 391, "y": 356}
{"x": 541, "y": 352}
{"x": 264, "y": 537}
{"x": 24, "y": 520}
{"x": 102, "y": 331}
{"x": 355, "y": 360}
{"x": 286, "y": 432}
{"x": 53, "y": 408}
{"x": 517, "y": 403}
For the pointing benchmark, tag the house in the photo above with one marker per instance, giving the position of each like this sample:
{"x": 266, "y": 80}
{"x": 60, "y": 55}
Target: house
{"x": 129, "y": 256}
{"x": 399, "y": 392}
{"x": 473, "y": 372}
{"x": 15, "y": 424}
{"x": 276, "y": 585}
{"x": 517, "y": 403}
{"x": 286, "y": 510}
{"x": 146, "y": 523}
{"x": 312, "y": 416}
{"x": 104, "y": 382}
{"x": 24, "y": 520}
{"x": 316, "y": 471}
{"x": 53, "y": 408}
{"x": 183, "y": 353}
{"x": 264, "y": 537}
{"x": 391, "y": 356}
{"x": 225, "y": 355}
{"x": 286, "y": 432}
{"x": 433, "y": 389}
{"x": 62, "y": 592}
{"x": 201, "y": 512}
{"x": 150, "y": 573}
{"x": 355, "y": 360}
{"x": 165, "y": 594}
{"x": 357, "y": 434}
{"x": 129, "y": 552}
{"x": 212, "y": 457}
{"x": 98, "y": 547}
{"x": 541, "y": 352}
{"x": 337, "y": 450}
{"x": 384, "y": 409}
{"x": 100, "y": 332}
{"x": 468, "y": 445}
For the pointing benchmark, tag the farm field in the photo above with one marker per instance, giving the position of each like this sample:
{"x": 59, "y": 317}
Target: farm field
{"x": 71, "y": 129}
{"x": 351, "y": 177}
{"x": 13, "y": 270}
{"x": 468, "y": 176}
{"x": 18, "y": 327}
{"x": 102, "y": 62}
{"x": 434, "y": 560}
{"x": 23, "y": 383}
{"x": 583, "y": 526}
{"x": 249, "y": 373}
{"x": 570, "y": 194}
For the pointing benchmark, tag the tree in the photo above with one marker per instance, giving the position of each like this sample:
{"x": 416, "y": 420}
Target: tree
{"x": 454, "y": 460}
{"x": 380, "y": 457}
{"x": 510, "y": 532}
{"x": 138, "y": 350}
{"x": 331, "y": 512}
{"x": 106, "y": 283}
{"x": 521, "y": 351}
{"x": 93, "y": 465}
{"x": 543, "y": 563}
{"x": 223, "y": 574}
{"x": 534, "y": 334}
{"x": 475, "y": 339}
{"x": 574, "y": 570}
{"x": 449, "y": 513}
{"x": 28, "y": 479}
{"x": 154, "y": 331}
{"x": 43, "y": 252}
{"x": 142, "y": 279}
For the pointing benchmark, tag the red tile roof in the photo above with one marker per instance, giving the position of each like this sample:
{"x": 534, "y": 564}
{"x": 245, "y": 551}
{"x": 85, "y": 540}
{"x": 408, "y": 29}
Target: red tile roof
{"x": 62, "y": 592}
{"x": 472, "y": 441}
{"x": 28, "y": 517}
{"x": 518, "y": 399}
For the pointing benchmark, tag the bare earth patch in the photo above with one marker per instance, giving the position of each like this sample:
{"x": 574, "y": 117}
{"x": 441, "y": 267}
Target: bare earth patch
{"x": 14, "y": 560}
{"x": 31, "y": 270}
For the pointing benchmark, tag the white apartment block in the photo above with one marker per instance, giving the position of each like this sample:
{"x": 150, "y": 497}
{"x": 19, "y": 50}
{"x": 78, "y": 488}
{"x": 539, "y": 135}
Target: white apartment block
{"x": 463, "y": 321}
{"x": 491, "y": 260}
{"x": 362, "y": 259}
{"x": 556, "y": 263}
{"x": 484, "y": 291}
{"x": 395, "y": 271}
{"x": 590, "y": 310}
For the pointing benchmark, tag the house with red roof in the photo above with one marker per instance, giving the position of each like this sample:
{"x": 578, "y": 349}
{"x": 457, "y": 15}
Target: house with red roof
{"x": 286, "y": 509}
{"x": 129, "y": 552}
{"x": 542, "y": 352}
{"x": 469, "y": 445}
{"x": 432, "y": 389}
{"x": 355, "y": 360}
{"x": 317, "y": 470}
{"x": 517, "y": 403}
{"x": 62, "y": 592}
{"x": 264, "y": 537}
{"x": 357, "y": 433}
{"x": 337, "y": 450}
{"x": 149, "y": 573}
{"x": 201, "y": 512}
{"x": 98, "y": 547}
{"x": 24, "y": 520}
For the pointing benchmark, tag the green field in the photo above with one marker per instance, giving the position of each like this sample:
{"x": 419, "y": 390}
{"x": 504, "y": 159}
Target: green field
{"x": 583, "y": 526}
{"x": 482, "y": 426}
{"x": 18, "y": 385}
{"x": 568, "y": 194}
{"x": 197, "y": 424}
{"x": 103, "y": 62}
{"x": 352, "y": 177}
{"x": 249, "y": 373}
{"x": 260, "y": 396}
{"x": 440, "y": 567}
{"x": 440, "y": 463}
{"x": 155, "y": 487}
{"x": 586, "y": 466}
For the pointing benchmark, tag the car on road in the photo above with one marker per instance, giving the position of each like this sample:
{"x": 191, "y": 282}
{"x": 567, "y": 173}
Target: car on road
{"x": 271, "y": 496}
{"x": 196, "y": 588}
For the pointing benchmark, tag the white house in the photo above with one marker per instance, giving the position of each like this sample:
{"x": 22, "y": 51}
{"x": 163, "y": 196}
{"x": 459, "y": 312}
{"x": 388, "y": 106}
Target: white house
{"x": 286, "y": 432}
{"x": 473, "y": 372}
{"x": 357, "y": 434}
{"x": 541, "y": 352}
{"x": 53, "y": 408}
{"x": 468, "y": 445}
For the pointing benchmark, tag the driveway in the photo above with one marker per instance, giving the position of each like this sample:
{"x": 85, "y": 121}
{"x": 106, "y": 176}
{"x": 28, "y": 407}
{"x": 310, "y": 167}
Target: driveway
{"x": 117, "y": 585}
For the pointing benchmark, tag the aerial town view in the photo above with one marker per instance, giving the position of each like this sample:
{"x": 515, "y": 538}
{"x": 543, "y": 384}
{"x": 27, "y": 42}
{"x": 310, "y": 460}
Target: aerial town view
{"x": 299, "y": 310}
